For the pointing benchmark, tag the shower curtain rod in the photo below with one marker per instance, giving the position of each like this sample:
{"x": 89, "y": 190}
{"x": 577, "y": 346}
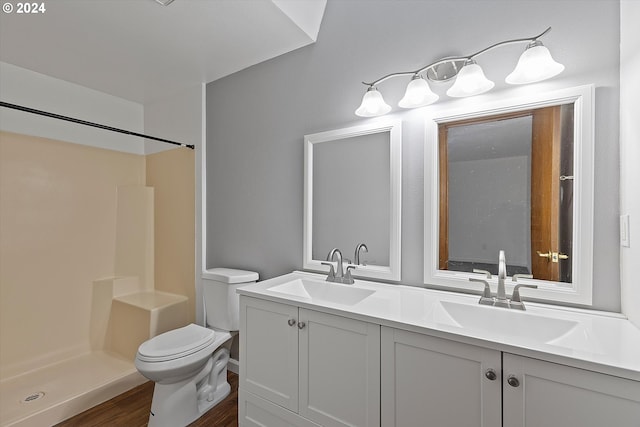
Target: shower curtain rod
{"x": 92, "y": 124}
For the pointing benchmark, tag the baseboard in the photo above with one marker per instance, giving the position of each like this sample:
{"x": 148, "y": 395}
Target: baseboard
{"x": 234, "y": 366}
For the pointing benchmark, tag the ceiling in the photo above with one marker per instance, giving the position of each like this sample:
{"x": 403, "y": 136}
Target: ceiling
{"x": 142, "y": 51}
{"x": 490, "y": 140}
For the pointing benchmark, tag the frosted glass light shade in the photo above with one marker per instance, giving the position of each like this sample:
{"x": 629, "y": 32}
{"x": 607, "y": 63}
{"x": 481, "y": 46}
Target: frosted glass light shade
{"x": 535, "y": 64}
{"x": 470, "y": 81}
{"x": 372, "y": 104}
{"x": 418, "y": 94}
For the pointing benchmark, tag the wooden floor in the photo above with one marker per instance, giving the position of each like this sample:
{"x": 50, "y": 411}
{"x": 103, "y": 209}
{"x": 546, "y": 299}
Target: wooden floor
{"x": 131, "y": 409}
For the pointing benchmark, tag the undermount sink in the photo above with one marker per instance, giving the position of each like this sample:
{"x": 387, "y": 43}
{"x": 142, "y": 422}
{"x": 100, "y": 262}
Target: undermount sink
{"x": 503, "y": 322}
{"x": 323, "y": 291}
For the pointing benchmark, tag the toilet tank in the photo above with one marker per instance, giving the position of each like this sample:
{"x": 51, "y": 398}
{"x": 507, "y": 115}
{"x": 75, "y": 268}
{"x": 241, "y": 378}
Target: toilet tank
{"x": 221, "y": 302}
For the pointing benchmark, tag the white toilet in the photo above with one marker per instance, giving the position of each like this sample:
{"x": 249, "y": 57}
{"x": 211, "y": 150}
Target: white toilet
{"x": 189, "y": 364}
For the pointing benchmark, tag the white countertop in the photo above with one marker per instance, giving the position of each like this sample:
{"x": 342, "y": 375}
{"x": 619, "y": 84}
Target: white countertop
{"x": 599, "y": 341}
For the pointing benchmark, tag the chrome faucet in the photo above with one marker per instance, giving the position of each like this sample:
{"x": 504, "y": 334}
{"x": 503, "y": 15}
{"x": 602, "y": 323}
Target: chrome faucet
{"x": 338, "y": 275}
{"x": 501, "y": 295}
{"x": 361, "y": 247}
{"x": 500, "y": 299}
{"x": 335, "y": 253}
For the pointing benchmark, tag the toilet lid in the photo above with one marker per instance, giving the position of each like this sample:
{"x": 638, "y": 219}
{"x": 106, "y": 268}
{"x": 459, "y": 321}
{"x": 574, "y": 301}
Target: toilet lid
{"x": 175, "y": 344}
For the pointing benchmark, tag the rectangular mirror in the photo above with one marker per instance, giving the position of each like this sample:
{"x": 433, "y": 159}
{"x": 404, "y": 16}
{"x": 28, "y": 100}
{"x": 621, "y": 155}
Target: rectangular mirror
{"x": 352, "y": 195}
{"x": 514, "y": 176}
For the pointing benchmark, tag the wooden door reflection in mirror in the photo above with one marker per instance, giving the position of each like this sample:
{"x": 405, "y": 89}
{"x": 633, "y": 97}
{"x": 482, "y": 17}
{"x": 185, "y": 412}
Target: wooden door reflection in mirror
{"x": 506, "y": 183}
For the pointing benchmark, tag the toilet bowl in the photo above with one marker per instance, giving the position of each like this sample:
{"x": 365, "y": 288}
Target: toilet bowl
{"x": 189, "y": 364}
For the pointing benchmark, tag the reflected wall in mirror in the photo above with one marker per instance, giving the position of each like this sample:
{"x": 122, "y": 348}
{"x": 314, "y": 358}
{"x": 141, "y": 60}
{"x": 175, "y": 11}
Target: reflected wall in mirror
{"x": 352, "y": 196}
{"x": 506, "y": 183}
{"x": 514, "y": 175}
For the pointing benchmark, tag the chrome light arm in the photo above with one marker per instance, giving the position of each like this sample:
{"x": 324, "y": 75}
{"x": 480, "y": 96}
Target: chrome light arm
{"x": 456, "y": 62}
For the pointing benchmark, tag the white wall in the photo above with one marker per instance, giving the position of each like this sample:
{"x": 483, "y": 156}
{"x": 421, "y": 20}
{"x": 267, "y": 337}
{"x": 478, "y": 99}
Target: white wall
{"x": 34, "y": 90}
{"x": 630, "y": 154}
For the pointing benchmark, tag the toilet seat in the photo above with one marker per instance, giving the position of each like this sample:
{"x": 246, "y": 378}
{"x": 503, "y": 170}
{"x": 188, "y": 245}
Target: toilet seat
{"x": 176, "y": 344}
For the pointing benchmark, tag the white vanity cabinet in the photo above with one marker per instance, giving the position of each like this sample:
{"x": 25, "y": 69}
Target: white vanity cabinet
{"x": 434, "y": 381}
{"x": 300, "y": 367}
{"x": 313, "y": 354}
{"x": 541, "y": 393}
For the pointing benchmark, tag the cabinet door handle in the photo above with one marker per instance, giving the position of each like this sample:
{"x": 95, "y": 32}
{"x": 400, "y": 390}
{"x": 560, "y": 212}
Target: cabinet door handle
{"x": 513, "y": 381}
{"x": 301, "y": 325}
{"x": 490, "y": 374}
{"x": 291, "y": 322}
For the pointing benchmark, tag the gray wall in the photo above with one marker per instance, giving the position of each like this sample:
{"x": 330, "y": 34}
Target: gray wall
{"x": 256, "y": 118}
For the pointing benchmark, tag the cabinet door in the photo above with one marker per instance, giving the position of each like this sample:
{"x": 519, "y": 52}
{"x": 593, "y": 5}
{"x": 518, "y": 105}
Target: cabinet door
{"x": 339, "y": 370}
{"x": 428, "y": 381}
{"x": 549, "y": 394}
{"x": 269, "y": 351}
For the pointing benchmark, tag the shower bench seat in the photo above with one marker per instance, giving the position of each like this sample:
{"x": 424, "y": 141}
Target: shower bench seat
{"x": 124, "y": 316}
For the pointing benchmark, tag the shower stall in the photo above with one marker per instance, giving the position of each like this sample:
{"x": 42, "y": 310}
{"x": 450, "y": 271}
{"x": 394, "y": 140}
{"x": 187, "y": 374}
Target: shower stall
{"x": 78, "y": 261}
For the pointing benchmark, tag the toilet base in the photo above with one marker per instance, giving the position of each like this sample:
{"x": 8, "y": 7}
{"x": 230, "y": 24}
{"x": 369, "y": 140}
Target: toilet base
{"x": 181, "y": 403}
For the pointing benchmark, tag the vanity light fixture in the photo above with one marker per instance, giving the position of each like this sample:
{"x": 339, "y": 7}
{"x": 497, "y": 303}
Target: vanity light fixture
{"x": 470, "y": 81}
{"x": 534, "y": 65}
{"x": 418, "y": 94}
{"x": 373, "y": 104}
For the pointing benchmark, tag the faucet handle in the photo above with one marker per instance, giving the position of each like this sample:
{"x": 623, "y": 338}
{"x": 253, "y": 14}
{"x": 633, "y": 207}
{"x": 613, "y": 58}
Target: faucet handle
{"x": 487, "y": 289}
{"x": 332, "y": 272}
{"x": 485, "y": 272}
{"x": 515, "y": 277}
{"x": 347, "y": 279}
{"x": 515, "y": 297}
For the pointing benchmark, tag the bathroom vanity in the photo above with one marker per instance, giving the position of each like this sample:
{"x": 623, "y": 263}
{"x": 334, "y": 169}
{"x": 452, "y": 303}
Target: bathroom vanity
{"x": 316, "y": 353}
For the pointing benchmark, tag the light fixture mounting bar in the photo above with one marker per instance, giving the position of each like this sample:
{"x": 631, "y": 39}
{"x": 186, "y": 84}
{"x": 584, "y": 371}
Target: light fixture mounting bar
{"x": 506, "y": 42}
{"x": 454, "y": 63}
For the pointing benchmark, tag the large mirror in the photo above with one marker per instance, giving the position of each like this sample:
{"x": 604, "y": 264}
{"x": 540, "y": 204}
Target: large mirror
{"x": 514, "y": 176}
{"x": 352, "y": 196}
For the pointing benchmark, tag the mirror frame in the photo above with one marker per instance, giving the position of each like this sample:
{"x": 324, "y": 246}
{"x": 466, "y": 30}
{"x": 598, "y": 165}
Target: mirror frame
{"x": 394, "y": 127}
{"x": 580, "y": 290}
